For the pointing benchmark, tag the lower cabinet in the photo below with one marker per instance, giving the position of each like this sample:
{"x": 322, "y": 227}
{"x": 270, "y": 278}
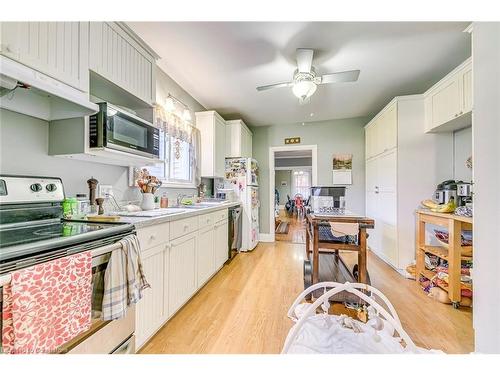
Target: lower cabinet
{"x": 177, "y": 268}
{"x": 205, "y": 259}
{"x": 182, "y": 271}
{"x": 152, "y": 309}
{"x": 221, "y": 245}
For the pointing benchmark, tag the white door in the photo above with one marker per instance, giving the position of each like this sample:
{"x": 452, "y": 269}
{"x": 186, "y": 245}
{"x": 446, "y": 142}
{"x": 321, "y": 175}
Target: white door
{"x": 151, "y": 310}
{"x": 205, "y": 258}
{"x": 386, "y": 171}
{"x": 182, "y": 271}
{"x": 221, "y": 243}
{"x": 371, "y": 175}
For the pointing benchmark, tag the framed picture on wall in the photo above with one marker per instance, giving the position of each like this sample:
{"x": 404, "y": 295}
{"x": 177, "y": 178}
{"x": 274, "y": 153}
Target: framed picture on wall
{"x": 342, "y": 169}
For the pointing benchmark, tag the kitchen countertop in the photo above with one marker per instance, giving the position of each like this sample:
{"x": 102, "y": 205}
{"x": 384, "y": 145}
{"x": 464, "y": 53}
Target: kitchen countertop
{"x": 140, "y": 222}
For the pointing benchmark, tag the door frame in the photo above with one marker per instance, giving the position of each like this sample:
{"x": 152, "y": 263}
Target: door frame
{"x": 314, "y": 177}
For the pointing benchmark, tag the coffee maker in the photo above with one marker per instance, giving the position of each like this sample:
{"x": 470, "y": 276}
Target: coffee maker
{"x": 464, "y": 193}
{"x": 445, "y": 191}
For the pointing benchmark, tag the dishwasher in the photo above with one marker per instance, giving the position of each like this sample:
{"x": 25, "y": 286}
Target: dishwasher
{"x": 234, "y": 231}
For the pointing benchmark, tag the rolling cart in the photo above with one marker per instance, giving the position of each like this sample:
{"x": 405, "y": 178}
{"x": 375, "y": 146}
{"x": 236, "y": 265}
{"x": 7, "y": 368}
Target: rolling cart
{"x": 326, "y": 263}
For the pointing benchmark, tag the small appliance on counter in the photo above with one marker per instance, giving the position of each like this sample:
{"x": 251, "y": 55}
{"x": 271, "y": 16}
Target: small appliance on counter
{"x": 459, "y": 191}
{"x": 464, "y": 193}
{"x": 445, "y": 191}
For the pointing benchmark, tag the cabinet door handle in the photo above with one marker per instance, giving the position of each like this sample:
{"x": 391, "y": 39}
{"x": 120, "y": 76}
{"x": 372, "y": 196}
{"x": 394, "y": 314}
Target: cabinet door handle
{"x": 152, "y": 237}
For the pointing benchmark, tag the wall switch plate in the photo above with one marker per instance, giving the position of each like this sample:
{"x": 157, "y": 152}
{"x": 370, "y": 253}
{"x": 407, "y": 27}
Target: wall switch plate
{"x": 105, "y": 191}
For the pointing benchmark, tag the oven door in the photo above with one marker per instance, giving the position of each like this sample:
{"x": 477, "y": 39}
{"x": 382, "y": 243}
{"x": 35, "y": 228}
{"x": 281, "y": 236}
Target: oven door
{"x": 103, "y": 337}
{"x": 129, "y": 133}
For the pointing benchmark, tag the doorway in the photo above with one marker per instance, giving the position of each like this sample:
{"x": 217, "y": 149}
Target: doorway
{"x": 292, "y": 171}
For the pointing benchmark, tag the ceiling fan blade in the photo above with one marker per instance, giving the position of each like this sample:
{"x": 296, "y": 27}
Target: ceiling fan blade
{"x": 274, "y": 86}
{"x": 348, "y": 76}
{"x": 304, "y": 59}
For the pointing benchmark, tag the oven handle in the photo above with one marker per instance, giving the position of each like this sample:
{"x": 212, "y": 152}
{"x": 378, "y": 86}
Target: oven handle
{"x": 99, "y": 256}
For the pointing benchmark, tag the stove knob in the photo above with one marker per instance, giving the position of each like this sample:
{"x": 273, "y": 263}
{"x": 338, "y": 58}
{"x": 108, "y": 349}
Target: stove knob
{"x": 36, "y": 187}
{"x": 51, "y": 187}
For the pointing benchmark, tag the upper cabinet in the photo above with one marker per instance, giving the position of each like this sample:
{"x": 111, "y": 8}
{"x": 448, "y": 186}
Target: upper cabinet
{"x": 57, "y": 49}
{"x": 213, "y": 137}
{"x": 448, "y": 104}
{"x": 381, "y": 132}
{"x": 238, "y": 140}
{"x": 118, "y": 55}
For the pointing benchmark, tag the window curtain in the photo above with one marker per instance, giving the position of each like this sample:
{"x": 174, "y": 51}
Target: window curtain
{"x": 176, "y": 127}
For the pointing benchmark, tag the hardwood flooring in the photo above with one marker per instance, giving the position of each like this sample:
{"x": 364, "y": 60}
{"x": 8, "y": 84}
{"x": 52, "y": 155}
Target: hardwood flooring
{"x": 296, "y": 231}
{"x": 242, "y": 309}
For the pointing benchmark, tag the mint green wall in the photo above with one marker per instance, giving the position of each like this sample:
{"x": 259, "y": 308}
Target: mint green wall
{"x": 331, "y": 137}
{"x": 283, "y": 190}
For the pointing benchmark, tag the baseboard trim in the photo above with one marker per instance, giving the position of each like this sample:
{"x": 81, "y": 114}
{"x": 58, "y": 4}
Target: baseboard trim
{"x": 266, "y": 237}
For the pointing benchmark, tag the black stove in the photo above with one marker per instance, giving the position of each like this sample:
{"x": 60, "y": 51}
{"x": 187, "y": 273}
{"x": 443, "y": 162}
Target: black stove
{"x": 31, "y": 223}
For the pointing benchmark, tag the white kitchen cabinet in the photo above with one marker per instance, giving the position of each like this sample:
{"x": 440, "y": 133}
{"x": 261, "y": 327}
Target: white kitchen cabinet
{"x": 213, "y": 137}
{"x": 221, "y": 243}
{"x": 205, "y": 255}
{"x": 381, "y": 134}
{"x": 448, "y": 104}
{"x": 152, "y": 309}
{"x": 239, "y": 140}
{"x": 408, "y": 166}
{"x": 182, "y": 271}
{"x": 57, "y": 49}
{"x": 121, "y": 57}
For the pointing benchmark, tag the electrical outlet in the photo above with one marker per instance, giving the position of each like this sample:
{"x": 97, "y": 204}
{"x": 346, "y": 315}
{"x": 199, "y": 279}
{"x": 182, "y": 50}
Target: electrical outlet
{"x": 105, "y": 191}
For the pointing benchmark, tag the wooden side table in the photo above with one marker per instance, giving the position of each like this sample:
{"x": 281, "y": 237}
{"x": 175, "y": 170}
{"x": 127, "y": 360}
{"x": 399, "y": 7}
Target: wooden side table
{"x": 452, "y": 253}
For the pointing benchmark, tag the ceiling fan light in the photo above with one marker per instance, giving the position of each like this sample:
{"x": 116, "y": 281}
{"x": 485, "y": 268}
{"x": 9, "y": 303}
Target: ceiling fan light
{"x": 304, "y": 89}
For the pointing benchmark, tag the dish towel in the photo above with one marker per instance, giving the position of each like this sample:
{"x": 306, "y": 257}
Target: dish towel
{"x": 124, "y": 279}
{"x": 47, "y": 305}
{"x": 344, "y": 229}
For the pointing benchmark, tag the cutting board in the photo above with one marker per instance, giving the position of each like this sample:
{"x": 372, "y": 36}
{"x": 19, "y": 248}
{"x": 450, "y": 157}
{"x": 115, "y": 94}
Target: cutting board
{"x": 104, "y": 218}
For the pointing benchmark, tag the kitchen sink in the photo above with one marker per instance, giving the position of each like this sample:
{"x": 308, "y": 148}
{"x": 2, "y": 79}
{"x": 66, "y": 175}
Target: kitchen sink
{"x": 153, "y": 213}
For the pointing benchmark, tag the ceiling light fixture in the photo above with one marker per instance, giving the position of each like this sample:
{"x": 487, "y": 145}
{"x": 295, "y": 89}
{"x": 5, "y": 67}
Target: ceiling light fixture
{"x": 304, "y": 89}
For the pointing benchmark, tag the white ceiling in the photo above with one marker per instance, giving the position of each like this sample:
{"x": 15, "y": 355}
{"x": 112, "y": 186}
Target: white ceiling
{"x": 221, "y": 63}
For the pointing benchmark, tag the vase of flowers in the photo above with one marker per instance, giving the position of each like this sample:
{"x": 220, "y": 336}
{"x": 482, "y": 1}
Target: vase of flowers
{"x": 148, "y": 185}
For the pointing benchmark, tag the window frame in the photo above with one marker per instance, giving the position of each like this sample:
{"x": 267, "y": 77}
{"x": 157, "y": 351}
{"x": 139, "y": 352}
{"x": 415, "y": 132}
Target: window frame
{"x": 165, "y": 163}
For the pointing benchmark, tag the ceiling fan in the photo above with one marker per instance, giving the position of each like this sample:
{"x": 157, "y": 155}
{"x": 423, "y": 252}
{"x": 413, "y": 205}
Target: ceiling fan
{"x": 305, "y": 80}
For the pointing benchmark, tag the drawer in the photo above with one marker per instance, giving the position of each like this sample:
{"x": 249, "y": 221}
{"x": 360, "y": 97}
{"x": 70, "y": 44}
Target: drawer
{"x": 179, "y": 228}
{"x": 153, "y": 235}
{"x": 205, "y": 220}
{"x": 220, "y": 215}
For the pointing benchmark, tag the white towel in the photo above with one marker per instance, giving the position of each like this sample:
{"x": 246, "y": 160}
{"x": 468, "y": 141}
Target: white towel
{"x": 340, "y": 229}
{"x": 124, "y": 279}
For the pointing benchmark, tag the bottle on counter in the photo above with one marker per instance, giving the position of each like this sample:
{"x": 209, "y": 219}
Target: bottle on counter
{"x": 164, "y": 201}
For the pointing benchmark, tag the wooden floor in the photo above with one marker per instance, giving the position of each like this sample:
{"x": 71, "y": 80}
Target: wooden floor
{"x": 296, "y": 230}
{"x": 243, "y": 308}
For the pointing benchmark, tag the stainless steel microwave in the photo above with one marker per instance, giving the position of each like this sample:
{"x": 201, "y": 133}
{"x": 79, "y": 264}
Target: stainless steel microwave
{"x": 115, "y": 128}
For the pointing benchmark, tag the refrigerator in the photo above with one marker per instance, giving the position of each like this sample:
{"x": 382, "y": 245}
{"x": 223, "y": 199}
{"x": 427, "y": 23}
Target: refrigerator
{"x": 242, "y": 176}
